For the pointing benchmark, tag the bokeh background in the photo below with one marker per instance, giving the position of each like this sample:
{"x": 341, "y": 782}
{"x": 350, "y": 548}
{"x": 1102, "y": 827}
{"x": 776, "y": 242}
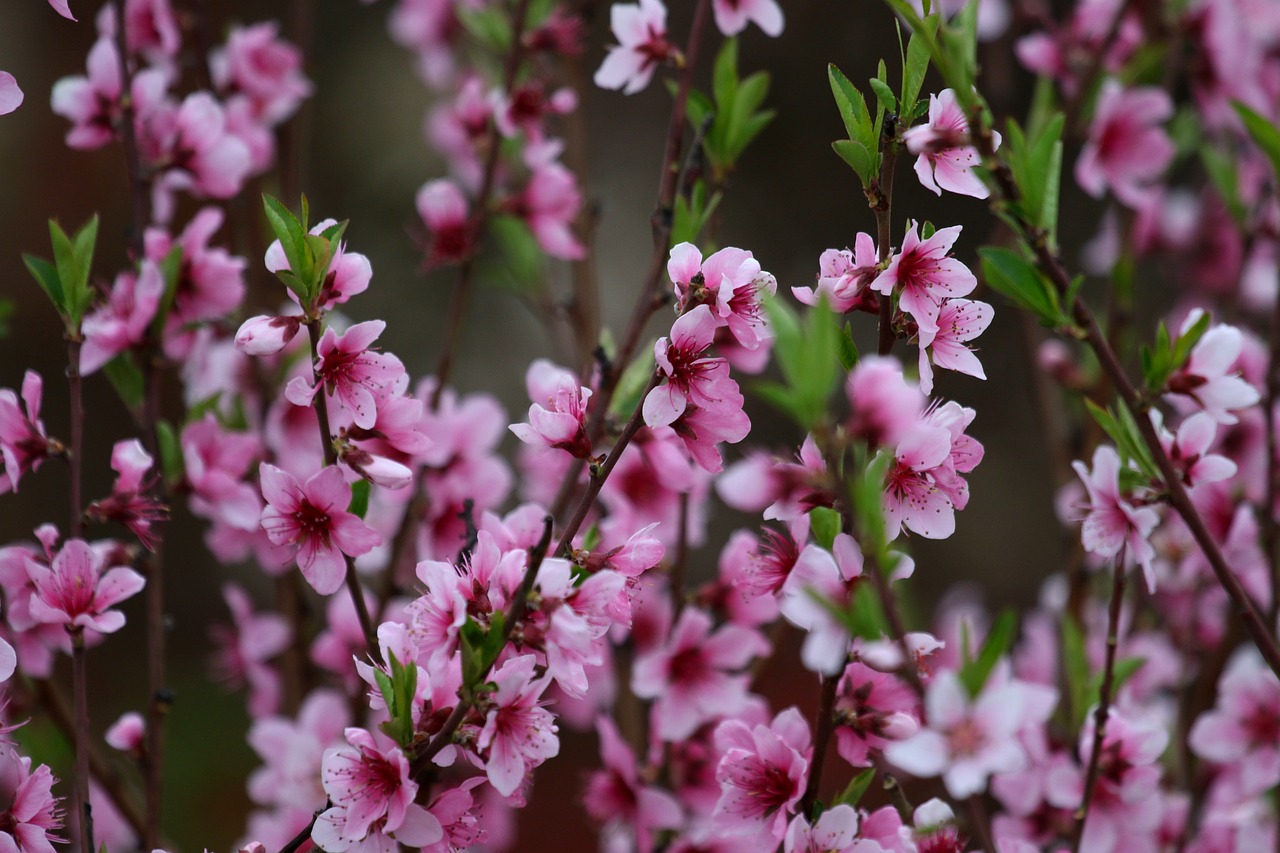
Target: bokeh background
{"x": 362, "y": 156}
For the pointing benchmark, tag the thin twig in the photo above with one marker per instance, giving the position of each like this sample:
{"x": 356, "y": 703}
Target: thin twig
{"x": 331, "y": 458}
{"x": 480, "y": 213}
{"x": 1104, "y": 702}
{"x": 81, "y": 700}
{"x": 55, "y": 705}
{"x": 824, "y": 727}
{"x": 76, "y": 387}
{"x": 305, "y": 834}
{"x": 883, "y": 207}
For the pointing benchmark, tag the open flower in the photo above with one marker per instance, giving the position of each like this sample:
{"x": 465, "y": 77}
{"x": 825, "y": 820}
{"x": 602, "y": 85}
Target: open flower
{"x": 641, "y": 31}
{"x": 946, "y": 158}
{"x": 313, "y": 518}
{"x": 75, "y": 592}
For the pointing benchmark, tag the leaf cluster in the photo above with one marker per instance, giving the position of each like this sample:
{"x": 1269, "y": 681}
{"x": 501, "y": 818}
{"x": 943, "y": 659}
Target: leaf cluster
{"x": 66, "y": 280}
{"x": 309, "y": 255}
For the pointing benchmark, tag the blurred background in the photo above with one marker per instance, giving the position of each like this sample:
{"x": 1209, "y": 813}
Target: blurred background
{"x": 362, "y": 157}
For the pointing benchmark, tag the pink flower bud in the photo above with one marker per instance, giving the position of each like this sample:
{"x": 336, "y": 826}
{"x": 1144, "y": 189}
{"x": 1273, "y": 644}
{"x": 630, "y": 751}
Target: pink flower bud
{"x": 264, "y": 335}
{"x": 128, "y": 733}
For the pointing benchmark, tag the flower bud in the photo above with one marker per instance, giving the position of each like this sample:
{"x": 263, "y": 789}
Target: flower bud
{"x": 264, "y": 335}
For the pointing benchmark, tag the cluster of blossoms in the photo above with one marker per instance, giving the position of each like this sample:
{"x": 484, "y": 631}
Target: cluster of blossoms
{"x": 463, "y": 631}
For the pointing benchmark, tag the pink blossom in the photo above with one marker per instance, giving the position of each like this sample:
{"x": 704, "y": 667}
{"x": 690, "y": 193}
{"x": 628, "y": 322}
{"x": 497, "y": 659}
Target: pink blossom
{"x": 266, "y": 336}
{"x": 29, "y": 811}
{"x": 92, "y": 103}
{"x": 1124, "y": 808}
{"x": 959, "y": 321}
{"x": 1242, "y": 731}
{"x": 75, "y": 592}
{"x": 822, "y": 579}
{"x": 563, "y": 425}
{"x": 293, "y": 752}
{"x": 691, "y": 378}
{"x": 872, "y": 709}
{"x": 10, "y": 93}
{"x": 443, "y": 209}
{"x": 518, "y": 733}
{"x": 150, "y": 28}
{"x": 946, "y": 158}
{"x": 312, "y": 517}
{"x": 367, "y": 782}
{"x": 731, "y": 282}
{"x": 732, "y": 16}
{"x": 967, "y": 739}
{"x": 689, "y": 675}
{"x": 216, "y": 462}
{"x": 23, "y": 443}
{"x": 1127, "y": 149}
{"x": 193, "y": 150}
{"x": 785, "y": 490}
{"x": 348, "y": 368}
{"x": 1189, "y": 449}
{"x": 63, "y": 8}
{"x": 210, "y": 283}
{"x": 130, "y": 502}
{"x": 843, "y": 277}
{"x": 913, "y": 497}
{"x": 618, "y": 797}
{"x": 1114, "y": 523}
{"x": 244, "y": 647}
{"x": 127, "y": 734}
{"x": 123, "y": 322}
{"x": 641, "y": 31}
{"x": 527, "y": 108}
{"x": 1208, "y": 380}
{"x": 261, "y": 65}
{"x": 548, "y": 204}
{"x": 835, "y": 831}
{"x": 923, "y": 275}
{"x": 884, "y": 405}
{"x": 762, "y": 775}
{"x": 702, "y": 430}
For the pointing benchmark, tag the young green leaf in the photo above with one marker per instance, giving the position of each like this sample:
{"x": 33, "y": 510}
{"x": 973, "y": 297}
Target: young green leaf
{"x": 360, "y": 491}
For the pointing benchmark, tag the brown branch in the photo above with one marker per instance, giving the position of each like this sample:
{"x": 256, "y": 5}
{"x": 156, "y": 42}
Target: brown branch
{"x": 1104, "y": 703}
{"x": 81, "y": 701}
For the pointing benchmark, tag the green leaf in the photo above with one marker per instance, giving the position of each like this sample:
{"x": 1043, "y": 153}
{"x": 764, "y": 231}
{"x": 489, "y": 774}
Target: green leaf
{"x": 916, "y": 66}
{"x": 868, "y": 509}
{"x": 724, "y": 76}
{"x": 171, "y": 461}
{"x": 1018, "y": 280}
{"x": 127, "y": 379}
{"x": 82, "y": 252}
{"x": 1122, "y": 671}
{"x": 633, "y": 382}
{"x": 46, "y": 275}
{"x": 857, "y": 786}
{"x": 1123, "y": 430}
{"x": 398, "y": 691}
{"x": 1076, "y": 665}
{"x": 974, "y": 674}
{"x": 848, "y": 349}
{"x": 884, "y": 95}
{"x": 489, "y": 26}
{"x": 692, "y": 213}
{"x": 359, "y": 505}
{"x": 1264, "y": 134}
{"x": 824, "y": 524}
{"x": 858, "y": 158}
{"x": 292, "y": 235}
{"x": 853, "y": 108}
{"x": 699, "y": 107}
{"x": 808, "y": 357}
{"x": 170, "y": 270}
{"x": 522, "y": 259}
